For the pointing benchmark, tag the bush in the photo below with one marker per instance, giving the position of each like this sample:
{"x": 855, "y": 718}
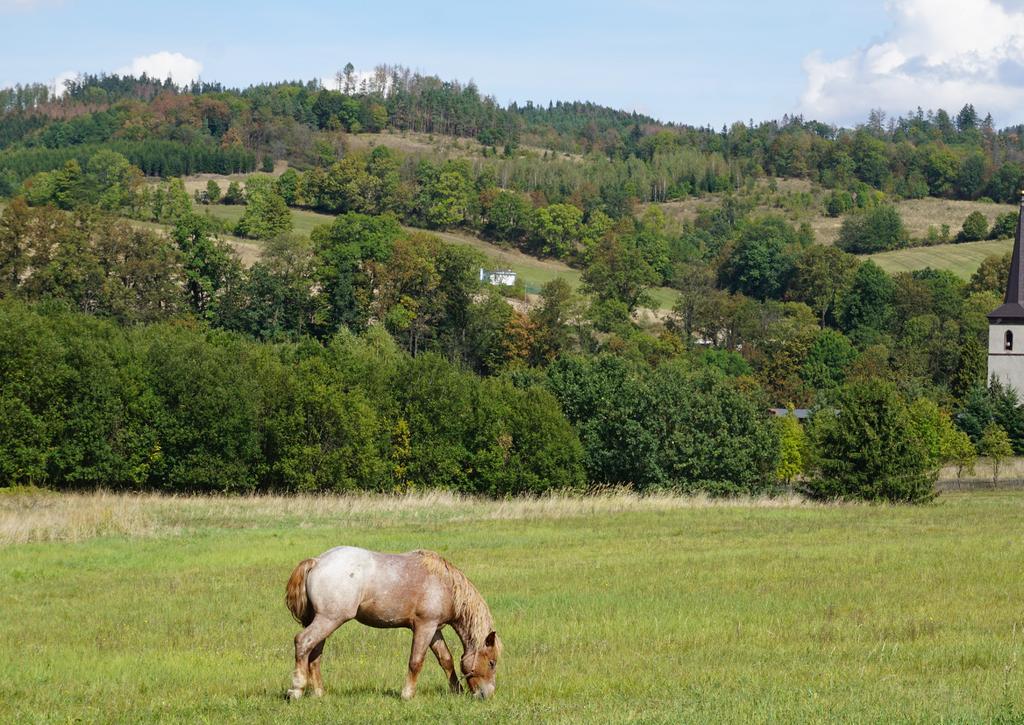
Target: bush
{"x": 875, "y": 230}
{"x": 936, "y": 235}
{"x": 234, "y": 195}
{"x": 866, "y": 446}
{"x": 975, "y": 228}
{"x": 839, "y": 202}
{"x": 266, "y": 215}
{"x": 1004, "y": 226}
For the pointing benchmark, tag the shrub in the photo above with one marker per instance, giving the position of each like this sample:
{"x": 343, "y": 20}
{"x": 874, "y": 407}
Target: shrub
{"x": 975, "y": 228}
{"x": 874, "y": 230}
{"x": 866, "y": 446}
{"x": 1004, "y": 226}
{"x": 839, "y": 202}
{"x": 234, "y": 194}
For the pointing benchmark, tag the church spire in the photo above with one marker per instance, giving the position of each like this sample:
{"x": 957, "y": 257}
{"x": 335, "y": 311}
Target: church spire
{"x": 1015, "y": 286}
{"x": 1013, "y": 304}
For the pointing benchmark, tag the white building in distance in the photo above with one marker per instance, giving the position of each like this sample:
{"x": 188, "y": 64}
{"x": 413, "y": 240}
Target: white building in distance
{"x": 498, "y": 277}
{"x": 1006, "y": 325}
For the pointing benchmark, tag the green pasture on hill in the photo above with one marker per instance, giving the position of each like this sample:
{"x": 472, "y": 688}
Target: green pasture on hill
{"x": 961, "y": 259}
{"x": 534, "y": 272}
{"x": 653, "y": 613}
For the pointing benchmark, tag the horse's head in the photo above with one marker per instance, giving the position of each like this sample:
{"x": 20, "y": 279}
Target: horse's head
{"x": 480, "y": 667}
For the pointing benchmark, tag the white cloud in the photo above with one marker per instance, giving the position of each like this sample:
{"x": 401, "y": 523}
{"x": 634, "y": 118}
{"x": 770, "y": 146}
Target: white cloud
{"x": 180, "y": 68}
{"x": 939, "y": 53}
{"x": 58, "y": 83}
{"x": 331, "y": 81}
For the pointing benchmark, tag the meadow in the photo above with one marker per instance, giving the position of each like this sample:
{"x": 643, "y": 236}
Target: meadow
{"x": 801, "y": 200}
{"x": 612, "y": 608}
{"x": 533, "y": 271}
{"x": 961, "y": 259}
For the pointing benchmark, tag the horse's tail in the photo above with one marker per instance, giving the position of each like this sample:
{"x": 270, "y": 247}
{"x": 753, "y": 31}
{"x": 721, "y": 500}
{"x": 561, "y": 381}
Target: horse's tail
{"x": 295, "y": 593}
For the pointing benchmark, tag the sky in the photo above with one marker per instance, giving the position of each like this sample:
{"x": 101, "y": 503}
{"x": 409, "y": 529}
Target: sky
{"x": 698, "y": 63}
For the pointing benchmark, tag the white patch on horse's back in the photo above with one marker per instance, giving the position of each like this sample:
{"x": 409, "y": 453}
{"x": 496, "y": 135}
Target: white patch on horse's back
{"x": 336, "y": 583}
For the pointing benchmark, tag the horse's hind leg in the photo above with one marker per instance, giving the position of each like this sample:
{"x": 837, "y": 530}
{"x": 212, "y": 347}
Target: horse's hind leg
{"x": 305, "y": 642}
{"x": 315, "y": 676}
{"x": 444, "y": 658}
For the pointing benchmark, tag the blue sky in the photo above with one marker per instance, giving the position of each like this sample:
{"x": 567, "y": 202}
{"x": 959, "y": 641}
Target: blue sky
{"x": 701, "y": 62}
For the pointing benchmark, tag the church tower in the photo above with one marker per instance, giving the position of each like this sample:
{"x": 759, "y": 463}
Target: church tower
{"x": 1006, "y": 324}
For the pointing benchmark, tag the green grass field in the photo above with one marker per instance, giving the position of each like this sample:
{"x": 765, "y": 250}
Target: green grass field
{"x": 614, "y": 609}
{"x": 961, "y": 259}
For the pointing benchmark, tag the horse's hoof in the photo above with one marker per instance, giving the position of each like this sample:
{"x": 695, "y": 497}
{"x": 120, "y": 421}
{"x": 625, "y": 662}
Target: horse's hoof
{"x": 318, "y": 692}
{"x": 294, "y": 694}
{"x": 407, "y": 695}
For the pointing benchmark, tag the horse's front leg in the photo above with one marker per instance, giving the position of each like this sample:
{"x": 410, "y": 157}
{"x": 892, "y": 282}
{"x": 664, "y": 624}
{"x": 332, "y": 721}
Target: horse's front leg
{"x": 444, "y": 658}
{"x": 421, "y": 636}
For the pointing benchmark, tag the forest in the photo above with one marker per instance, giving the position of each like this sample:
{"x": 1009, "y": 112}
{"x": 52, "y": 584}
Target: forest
{"x": 138, "y": 352}
{"x": 961, "y": 155}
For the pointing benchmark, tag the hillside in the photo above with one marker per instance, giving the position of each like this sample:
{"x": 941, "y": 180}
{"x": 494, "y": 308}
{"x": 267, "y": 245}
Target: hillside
{"x": 800, "y": 200}
{"x": 533, "y": 271}
{"x": 961, "y": 259}
{"x": 737, "y": 222}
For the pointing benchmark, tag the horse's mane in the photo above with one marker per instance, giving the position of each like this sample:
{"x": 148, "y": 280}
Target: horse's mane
{"x": 470, "y": 607}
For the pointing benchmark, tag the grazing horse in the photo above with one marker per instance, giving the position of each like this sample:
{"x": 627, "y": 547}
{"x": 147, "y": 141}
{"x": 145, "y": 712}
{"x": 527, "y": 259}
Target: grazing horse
{"x": 419, "y": 590}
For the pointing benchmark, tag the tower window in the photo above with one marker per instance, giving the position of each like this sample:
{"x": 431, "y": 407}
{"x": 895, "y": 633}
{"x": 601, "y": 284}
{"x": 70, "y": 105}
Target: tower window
{"x": 1008, "y": 340}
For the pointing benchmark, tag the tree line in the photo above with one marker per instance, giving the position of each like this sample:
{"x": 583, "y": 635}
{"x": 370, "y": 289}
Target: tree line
{"x": 153, "y": 158}
{"x": 960, "y": 155}
{"x": 464, "y": 390}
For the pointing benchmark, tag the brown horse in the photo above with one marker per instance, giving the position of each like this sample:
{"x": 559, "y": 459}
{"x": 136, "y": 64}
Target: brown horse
{"x": 419, "y": 590}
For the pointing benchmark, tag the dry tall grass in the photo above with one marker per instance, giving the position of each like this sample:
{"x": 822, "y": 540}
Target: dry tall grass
{"x": 43, "y": 516}
{"x": 918, "y": 214}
